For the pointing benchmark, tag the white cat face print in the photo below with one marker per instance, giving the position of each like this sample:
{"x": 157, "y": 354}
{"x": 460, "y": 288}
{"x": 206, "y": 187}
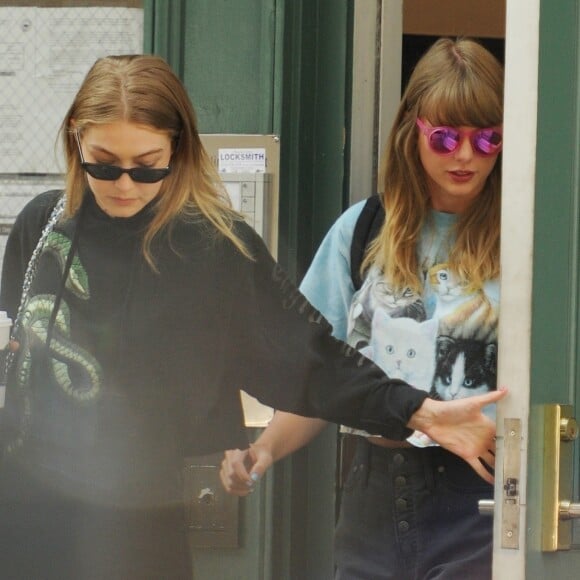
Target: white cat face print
{"x": 404, "y": 348}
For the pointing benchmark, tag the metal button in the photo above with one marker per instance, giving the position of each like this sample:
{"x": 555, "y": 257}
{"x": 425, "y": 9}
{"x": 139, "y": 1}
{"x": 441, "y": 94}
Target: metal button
{"x": 401, "y": 504}
{"x": 398, "y": 459}
{"x": 403, "y": 526}
{"x": 400, "y": 481}
{"x": 441, "y": 469}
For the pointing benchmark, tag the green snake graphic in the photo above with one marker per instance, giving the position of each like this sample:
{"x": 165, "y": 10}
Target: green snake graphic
{"x": 58, "y": 246}
{"x": 64, "y": 357}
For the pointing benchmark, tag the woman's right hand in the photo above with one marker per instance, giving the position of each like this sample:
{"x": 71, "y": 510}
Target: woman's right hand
{"x": 241, "y": 469}
{"x": 462, "y": 428}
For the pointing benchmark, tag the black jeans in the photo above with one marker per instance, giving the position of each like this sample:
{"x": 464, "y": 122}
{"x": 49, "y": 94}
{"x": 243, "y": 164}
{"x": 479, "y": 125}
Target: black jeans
{"x": 411, "y": 514}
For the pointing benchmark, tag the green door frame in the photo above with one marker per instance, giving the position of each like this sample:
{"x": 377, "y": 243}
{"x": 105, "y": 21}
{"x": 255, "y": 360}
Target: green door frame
{"x": 308, "y": 104}
{"x": 164, "y": 31}
{"x": 555, "y": 371}
{"x": 313, "y": 125}
{"x": 317, "y": 43}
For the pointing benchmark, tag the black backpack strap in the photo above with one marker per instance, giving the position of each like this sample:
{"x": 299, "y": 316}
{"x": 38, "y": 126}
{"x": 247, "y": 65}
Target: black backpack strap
{"x": 366, "y": 230}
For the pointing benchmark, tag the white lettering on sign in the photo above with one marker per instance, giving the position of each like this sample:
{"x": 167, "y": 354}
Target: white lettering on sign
{"x": 242, "y": 160}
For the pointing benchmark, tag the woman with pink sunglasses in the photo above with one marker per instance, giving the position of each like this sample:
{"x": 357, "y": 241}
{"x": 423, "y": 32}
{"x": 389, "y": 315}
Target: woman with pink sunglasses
{"x": 427, "y": 313}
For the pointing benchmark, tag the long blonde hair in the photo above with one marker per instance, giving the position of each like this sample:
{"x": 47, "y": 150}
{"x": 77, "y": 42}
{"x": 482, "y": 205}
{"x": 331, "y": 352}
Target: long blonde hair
{"x": 142, "y": 89}
{"x": 456, "y": 83}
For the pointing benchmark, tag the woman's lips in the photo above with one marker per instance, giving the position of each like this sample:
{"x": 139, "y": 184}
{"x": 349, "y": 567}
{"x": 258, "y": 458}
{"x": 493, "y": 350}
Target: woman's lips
{"x": 123, "y": 200}
{"x": 461, "y": 176}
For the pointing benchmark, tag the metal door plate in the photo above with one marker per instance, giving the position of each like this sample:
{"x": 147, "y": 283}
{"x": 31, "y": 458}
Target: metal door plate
{"x": 510, "y": 513}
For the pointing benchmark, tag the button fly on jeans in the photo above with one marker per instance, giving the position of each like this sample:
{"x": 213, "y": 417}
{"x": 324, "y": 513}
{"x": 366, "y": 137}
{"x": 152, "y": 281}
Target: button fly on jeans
{"x": 398, "y": 459}
{"x": 403, "y": 526}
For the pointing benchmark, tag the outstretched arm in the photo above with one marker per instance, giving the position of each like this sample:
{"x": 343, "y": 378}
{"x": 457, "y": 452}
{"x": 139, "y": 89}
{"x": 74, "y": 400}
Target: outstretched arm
{"x": 286, "y": 433}
{"x": 459, "y": 426}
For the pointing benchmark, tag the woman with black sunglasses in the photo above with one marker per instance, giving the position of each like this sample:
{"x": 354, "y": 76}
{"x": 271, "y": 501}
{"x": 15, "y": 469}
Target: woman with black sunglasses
{"x": 427, "y": 313}
{"x": 143, "y": 304}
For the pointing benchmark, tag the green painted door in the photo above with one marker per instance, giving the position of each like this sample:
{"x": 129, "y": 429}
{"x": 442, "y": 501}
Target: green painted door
{"x": 540, "y": 326}
{"x": 555, "y": 346}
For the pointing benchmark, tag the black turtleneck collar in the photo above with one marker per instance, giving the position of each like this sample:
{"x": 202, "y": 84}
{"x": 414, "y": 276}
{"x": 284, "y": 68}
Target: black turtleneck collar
{"x": 93, "y": 211}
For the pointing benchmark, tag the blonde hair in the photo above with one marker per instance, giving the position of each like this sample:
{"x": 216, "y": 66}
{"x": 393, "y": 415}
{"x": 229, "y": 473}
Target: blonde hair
{"x": 142, "y": 89}
{"x": 456, "y": 83}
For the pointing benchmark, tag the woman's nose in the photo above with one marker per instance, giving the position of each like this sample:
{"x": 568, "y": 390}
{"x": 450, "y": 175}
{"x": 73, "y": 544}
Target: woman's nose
{"x": 124, "y": 182}
{"x": 465, "y": 150}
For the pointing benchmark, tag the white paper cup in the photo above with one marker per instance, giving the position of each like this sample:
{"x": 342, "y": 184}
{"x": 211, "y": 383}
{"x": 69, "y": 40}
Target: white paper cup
{"x": 5, "y": 326}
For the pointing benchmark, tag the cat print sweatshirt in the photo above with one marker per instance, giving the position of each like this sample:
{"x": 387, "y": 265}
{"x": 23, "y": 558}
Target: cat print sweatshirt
{"x": 442, "y": 340}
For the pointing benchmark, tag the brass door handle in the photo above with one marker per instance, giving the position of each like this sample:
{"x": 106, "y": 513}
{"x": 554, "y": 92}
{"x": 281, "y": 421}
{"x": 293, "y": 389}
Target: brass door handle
{"x": 560, "y": 432}
{"x": 569, "y": 510}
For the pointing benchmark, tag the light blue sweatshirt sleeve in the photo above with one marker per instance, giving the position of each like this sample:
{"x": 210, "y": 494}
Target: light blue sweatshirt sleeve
{"x": 328, "y": 284}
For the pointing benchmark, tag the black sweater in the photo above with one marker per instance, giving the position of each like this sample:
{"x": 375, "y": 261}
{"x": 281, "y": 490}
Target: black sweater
{"x": 169, "y": 350}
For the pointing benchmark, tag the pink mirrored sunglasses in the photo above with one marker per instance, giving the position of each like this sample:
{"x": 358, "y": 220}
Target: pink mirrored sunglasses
{"x": 445, "y": 140}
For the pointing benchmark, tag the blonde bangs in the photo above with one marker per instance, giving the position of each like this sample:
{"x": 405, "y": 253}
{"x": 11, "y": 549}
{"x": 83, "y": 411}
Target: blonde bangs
{"x": 462, "y": 103}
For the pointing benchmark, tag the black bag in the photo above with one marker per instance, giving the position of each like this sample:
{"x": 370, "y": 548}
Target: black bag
{"x": 366, "y": 230}
{"x": 16, "y": 412}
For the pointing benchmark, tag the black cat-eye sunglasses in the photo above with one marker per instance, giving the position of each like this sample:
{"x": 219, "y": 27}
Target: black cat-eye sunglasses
{"x": 106, "y": 172}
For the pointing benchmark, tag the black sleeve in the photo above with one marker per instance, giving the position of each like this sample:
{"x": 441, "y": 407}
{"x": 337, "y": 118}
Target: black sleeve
{"x": 21, "y": 242}
{"x": 288, "y": 358}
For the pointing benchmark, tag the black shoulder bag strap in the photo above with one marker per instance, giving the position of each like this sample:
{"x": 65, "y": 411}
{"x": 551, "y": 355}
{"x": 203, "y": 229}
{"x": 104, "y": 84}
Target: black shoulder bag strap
{"x": 55, "y": 215}
{"x": 366, "y": 230}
